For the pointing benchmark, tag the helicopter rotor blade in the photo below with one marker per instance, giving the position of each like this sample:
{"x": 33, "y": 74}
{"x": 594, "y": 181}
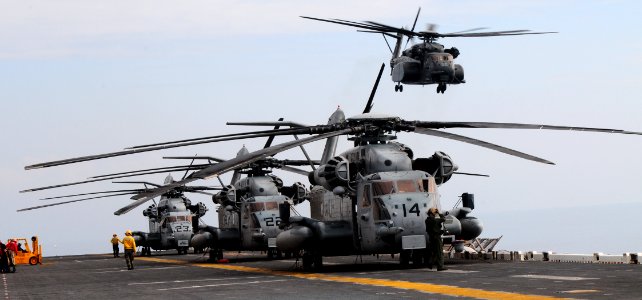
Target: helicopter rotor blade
{"x": 468, "y": 30}
{"x": 268, "y": 123}
{"x": 298, "y": 162}
{"x": 471, "y": 174}
{"x": 441, "y": 125}
{"x": 270, "y": 139}
{"x": 369, "y": 104}
{"x": 190, "y": 164}
{"x": 481, "y": 143}
{"x": 71, "y": 201}
{"x": 176, "y": 144}
{"x": 189, "y": 188}
{"x": 200, "y": 192}
{"x": 413, "y": 26}
{"x": 220, "y": 168}
{"x": 493, "y": 33}
{"x": 389, "y": 28}
{"x": 305, "y": 153}
{"x": 160, "y": 170}
{"x": 346, "y": 22}
{"x": 97, "y": 179}
{"x": 138, "y": 182}
{"x": 295, "y": 170}
{"x": 130, "y": 191}
{"x": 209, "y": 158}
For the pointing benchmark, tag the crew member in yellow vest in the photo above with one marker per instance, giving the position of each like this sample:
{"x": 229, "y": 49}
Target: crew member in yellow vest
{"x": 114, "y": 245}
{"x": 130, "y": 248}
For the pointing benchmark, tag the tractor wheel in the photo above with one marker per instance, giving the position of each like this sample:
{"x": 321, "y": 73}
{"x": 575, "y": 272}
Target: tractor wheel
{"x": 33, "y": 260}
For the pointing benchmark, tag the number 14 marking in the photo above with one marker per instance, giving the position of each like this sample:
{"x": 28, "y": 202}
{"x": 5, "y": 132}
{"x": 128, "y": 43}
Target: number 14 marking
{"x": 413, "y": 209}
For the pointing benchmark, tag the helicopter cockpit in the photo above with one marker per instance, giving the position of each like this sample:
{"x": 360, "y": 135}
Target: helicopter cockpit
{"x": 387, "y": 187}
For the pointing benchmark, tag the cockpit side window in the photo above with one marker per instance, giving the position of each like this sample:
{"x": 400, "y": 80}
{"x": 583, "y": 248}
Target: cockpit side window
{"x": 429, "y": 185}
{"x": 365, "y": 196}
{"x": 257, "y": 206}
{"x": 382, "y": 188}
{"x": 379, "y": 211}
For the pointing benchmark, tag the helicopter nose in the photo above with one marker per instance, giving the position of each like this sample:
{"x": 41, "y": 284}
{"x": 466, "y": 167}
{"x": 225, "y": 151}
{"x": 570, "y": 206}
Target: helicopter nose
{"x": 442, "y": 74}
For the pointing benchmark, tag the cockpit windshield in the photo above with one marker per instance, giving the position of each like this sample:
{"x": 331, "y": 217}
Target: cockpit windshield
{"x": 408, "y": 186}
{"x": 383, "y": 188}
{"x": 172, "y": 219}
{"x": 388, "y": 187}
{"x": 437, "y": 58}
{"x": 260, "y": 206}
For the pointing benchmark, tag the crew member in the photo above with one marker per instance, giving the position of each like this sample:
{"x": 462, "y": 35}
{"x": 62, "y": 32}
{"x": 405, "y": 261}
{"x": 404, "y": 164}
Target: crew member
{"x": 4, "y": 263}
{"x": 434, "y": 222}
{"x": 114, "y": 244}
{"x": 12, "y": 251}
{"x": 130, "y": 248}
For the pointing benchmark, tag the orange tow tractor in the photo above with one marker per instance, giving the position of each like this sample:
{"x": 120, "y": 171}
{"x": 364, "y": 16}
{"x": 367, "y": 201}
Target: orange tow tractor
{"x": 27, "y": 255}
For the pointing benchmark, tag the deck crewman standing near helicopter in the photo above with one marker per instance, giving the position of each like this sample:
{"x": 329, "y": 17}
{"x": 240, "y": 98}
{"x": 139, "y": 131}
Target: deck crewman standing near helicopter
{"x": 130, "y": 248}
{"x": 114, "y": 245}
{"x": 434, "y": 223}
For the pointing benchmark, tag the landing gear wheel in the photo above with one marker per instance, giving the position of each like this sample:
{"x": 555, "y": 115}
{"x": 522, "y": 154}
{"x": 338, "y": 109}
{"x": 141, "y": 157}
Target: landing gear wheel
{"x": 270, "y": 253}
{"x": 307, "y": 261}
{"x": 215, "y": 254}
{"x": 318, "y": 262}
{"x": 441, "y": 88}
{"x": 312, "y": 262}
{"x": 398, "y": 87}
{"x": 417, "y": 257}
{"x": 404, "y": 257}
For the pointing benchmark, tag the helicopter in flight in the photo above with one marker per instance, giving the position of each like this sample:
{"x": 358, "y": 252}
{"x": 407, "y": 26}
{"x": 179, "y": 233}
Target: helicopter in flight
{"x": 426, "y": 62}
{"x": 171, "y": 221}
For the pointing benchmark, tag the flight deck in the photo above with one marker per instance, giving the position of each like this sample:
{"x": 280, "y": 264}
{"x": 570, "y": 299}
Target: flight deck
{"x": 249, "y": 275}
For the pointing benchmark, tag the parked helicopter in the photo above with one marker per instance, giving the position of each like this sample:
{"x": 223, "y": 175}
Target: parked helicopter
{"x": 427, "y": 62}
{"x": 171, "y": 222}
{"x": 248, "y": 212}
{"x": 355, "y": 174}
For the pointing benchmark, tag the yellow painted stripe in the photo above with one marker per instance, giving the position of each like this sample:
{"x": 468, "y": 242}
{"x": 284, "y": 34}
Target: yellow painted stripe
{"x": 397, "y": 284}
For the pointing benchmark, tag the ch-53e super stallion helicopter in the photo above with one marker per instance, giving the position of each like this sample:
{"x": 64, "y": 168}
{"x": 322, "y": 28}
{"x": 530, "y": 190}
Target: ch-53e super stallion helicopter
{"x": 248, "y": 212}
{"x": 171, "y": 221}
{"x": 427, "y": 62}
{"x": 379, "y": 221}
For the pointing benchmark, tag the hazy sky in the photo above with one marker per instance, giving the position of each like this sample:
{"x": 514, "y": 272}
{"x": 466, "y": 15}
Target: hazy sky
{"x": 88, "y": 77}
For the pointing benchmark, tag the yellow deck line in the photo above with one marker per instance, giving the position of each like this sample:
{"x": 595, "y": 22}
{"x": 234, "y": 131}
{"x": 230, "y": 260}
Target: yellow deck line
{"x": 397, "y": 284}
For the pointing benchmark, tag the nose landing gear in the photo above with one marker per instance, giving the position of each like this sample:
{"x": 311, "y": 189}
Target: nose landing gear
{"x": 398, "y": 87}
{"x": 441, "y": 88}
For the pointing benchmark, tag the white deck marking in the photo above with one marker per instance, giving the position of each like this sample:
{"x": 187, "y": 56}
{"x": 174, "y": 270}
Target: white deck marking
{"x": 567, "y": 278}
{"x": 197, "y": 280}
{"x": 140, "y": 269}
{"x": 222, "y": 284}
{"x": 6, "y": 289}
